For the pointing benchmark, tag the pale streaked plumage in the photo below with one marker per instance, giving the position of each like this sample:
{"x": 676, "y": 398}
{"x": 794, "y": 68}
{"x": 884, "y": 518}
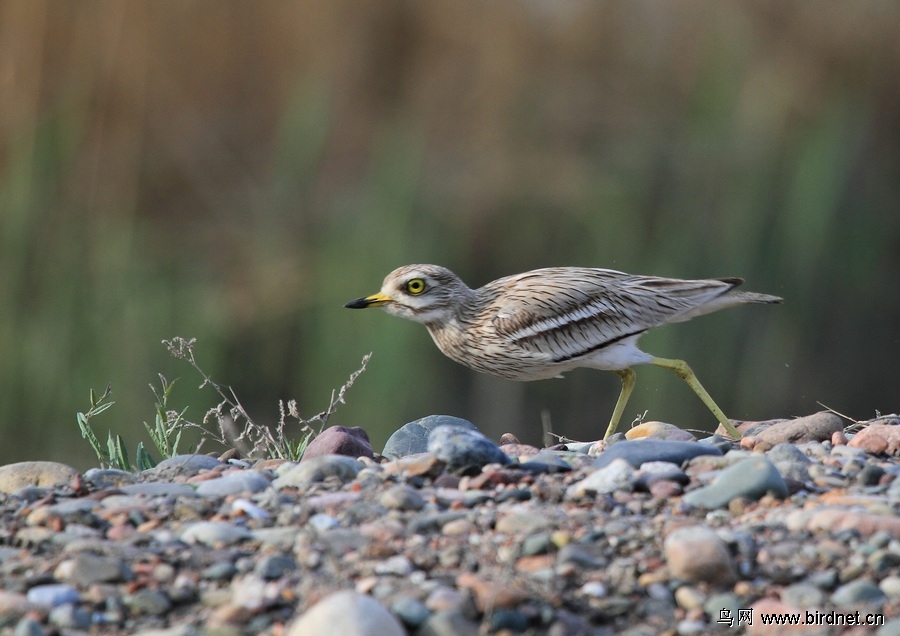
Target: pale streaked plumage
{"x": 542, "y": 323}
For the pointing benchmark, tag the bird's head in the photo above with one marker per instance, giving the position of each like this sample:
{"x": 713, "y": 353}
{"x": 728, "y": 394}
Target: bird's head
{"x": 424, "y": 293}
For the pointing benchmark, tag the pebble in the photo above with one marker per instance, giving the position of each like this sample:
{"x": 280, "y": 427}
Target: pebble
{"x": 213, "y": 533}
{"x": 464, "y": 448}
{"x": 615, "y": 476}
{"x": 879, "y": 439}
{"x": 182, "y": 467}
{"x": 412, "y": 437}
{"x": 234, "y": 483}
{"x": 659, "y": 430}
{"x": 317, "y": 469}
{"x": 812, "y": 428}
{"x": 696, "y": 554}
{"x": 41, "y": 474}
{"x": 856, "y": 593}
{"x": 591, "y": 537}
{"x": 637, "y": 452}
{"x": 340, "y": 440}
{"x": 53, "y": 594}
{"x": 347, "y": 613}
{"x": 751, "y": 478}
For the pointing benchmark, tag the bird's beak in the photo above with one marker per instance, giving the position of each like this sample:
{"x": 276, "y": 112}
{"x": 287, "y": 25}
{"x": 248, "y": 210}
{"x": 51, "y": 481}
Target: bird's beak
{"x": 374, "y": 300}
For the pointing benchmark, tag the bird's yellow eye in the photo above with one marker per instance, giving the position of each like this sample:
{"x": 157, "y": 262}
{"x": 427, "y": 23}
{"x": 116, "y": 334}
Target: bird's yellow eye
{"x": 415, "y": 286}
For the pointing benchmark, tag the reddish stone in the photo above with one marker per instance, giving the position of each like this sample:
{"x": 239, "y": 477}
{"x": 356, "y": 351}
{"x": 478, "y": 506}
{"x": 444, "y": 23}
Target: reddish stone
{"x": 340, "y": 440}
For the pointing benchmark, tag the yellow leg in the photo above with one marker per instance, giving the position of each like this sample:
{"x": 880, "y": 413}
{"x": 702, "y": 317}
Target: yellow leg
{"x": 683, "y": 371}
{"x": 627, "y": 376}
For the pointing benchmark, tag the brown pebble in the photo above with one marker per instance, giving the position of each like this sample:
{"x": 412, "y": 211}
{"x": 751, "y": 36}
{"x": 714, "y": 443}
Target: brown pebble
{"x": 488, "y": 594}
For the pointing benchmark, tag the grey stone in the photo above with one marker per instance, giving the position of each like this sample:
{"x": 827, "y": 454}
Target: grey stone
{"x": 463, "y": 448}
{"x": 401, "y": 498}
{"x": 233, "y": 483}
{"x": 613, "y": 476}
{"x": 412, "y": 437}
{"x": 214, "y": 533}
{"x": 641, "y": 451}
{"x": 410, "y": 611}
{"x": 181, "y": 466}
{"x": 347, "y": 613}
{"x": 319, "y": 469}
{"x": 858, "y": 592}
{"x": 274, "y": 566}
{"x": 448, "y": 623}
{"x": 752, "y": 478}
{"x": 69, "y": 616}
{"x": 86, "y": 569}
{"x": 147, "y": 601}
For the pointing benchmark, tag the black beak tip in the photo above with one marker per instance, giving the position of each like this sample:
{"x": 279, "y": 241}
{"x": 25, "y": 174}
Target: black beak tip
{"x": 359, "y": 303}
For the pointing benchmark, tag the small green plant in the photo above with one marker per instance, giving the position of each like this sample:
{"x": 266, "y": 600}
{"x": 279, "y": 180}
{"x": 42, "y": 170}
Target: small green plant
{"x": 114, "y": 453}
{"x": 233, "y": 428}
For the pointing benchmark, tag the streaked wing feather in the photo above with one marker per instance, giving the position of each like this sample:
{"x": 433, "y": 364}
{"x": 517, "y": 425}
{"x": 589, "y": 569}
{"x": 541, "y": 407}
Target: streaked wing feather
{"x": 569, "y": 311}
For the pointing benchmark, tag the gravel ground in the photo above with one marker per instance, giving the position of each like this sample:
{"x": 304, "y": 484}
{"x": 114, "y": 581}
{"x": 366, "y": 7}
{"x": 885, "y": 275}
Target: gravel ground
{"x": 448, "y": 533}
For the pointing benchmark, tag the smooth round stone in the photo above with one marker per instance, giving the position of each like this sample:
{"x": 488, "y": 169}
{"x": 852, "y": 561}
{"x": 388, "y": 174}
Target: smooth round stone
{"x": 751, "y": 478}
{"x": 213, "y": 533}
{"x": 594, "y": 589}
{"x": 652, "y": 472}
{"x": 348, "y": 613}
{"x": 803, "y": 595}
{"x": 412, "y": 437}
{"x": 101, "y": 478}
{"x": 86, "y": 569}
{"x": 279, "y": 537}
{"x": 53, "y": 594}
{"x": 69, "y": 616}
{"x": 452, "y": 622}
{"x": 790, "y": 461}
{"x": 545, "y": 462}
{"x": 274, "y": 566}
{"x": 613, "y": 476}
{"x": 28, "y": 627}
{"x": 159, "y": 489}
{"x": 398, "y": 565}
{"x": 340, "y": 440}
{"x": 858, "y": 592}
{"x": 410, "y": 611}
{"x": 462, "y": 447}
{"x": 319, "y": 469}
{"x": 234, "y": 483}
{"x": 890, "y": 585}
{"x": 641, "y": 451}
{"x": 812, "y": 428}
{"x": 220, "y": 571}
{"x": 401, "y": 498}
{"x": 659, "y": 430}
{"x": 322, "y": 522}
{"x": 250, "y": 509}
{"x": 523, "y": 521}
{"x": 717, "y": 602}
{"x": 697, "y": 554}
{"x": 181, "y": 466}
{"x": 508, "y": 620}
{"x": 147, "y": 601}
{"x": 890, "y": 628}
{"x": 37, "y": 473}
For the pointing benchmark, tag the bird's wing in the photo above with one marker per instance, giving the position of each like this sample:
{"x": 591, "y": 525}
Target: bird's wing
{"x": 569, "y": 312}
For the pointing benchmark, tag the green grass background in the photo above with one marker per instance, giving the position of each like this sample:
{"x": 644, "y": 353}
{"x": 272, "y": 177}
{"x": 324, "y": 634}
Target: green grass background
{"x": 236, "y": 171}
